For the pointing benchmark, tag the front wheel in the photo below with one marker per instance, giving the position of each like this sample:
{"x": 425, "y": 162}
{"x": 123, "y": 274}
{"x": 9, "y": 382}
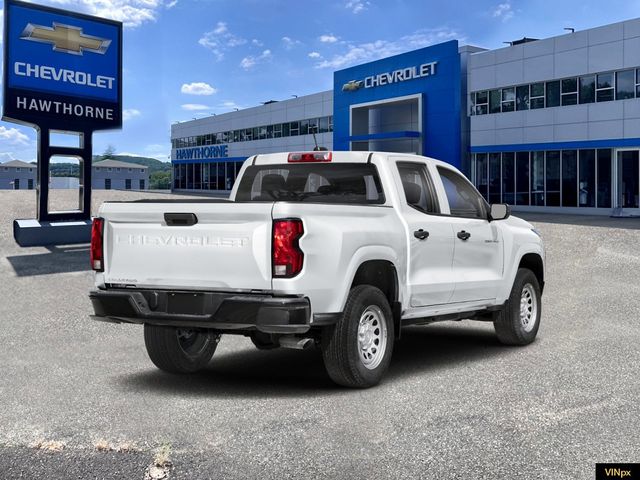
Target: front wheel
{"x": 518, "y": 322}
{"x": 179, "y": 350}
{"x": 357, "y": 350}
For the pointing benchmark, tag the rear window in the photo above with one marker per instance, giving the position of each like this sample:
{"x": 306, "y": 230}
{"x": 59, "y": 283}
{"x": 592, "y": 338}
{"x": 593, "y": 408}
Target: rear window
{"x": 355, "y": 183}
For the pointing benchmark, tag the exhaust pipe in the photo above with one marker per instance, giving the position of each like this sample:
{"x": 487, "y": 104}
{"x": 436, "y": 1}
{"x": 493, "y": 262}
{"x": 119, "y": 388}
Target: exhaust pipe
{"x": 295, "y": 342}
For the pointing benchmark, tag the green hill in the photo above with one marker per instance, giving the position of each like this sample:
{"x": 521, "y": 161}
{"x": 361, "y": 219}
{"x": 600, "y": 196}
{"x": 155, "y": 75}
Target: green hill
{"x": 154, "y": 165}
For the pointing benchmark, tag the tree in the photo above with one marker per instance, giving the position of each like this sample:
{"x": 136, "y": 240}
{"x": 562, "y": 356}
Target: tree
{"x": 160, "y": 181}
{"x": 109, "y": 152}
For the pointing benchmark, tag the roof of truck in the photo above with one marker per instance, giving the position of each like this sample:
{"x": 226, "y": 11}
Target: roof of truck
{"x": 336, "y": 157}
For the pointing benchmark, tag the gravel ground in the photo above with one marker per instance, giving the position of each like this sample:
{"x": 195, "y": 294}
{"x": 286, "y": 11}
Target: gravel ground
{"x": 455, "y": 403}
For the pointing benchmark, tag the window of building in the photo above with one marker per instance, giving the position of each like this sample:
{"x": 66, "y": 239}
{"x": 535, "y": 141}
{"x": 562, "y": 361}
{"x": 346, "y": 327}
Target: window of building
{"x": 285, "y": 130}
{"x": 109, "y": 169}
{"x": 97, "y": 169}
{"x": 522, "y": 178}
{"x": 508, "y": 178}
{"x": 304, "y": 127}
{"x": 142, "y": 170}
{"x": 294, "y": 128}
{"x": 587, "y": 178}
{"x": 569, "y": 89}
{"x": 569, "y": 178}
{"x": 107, "y": 184}
{"x": 127, "y": 184}
{"x": 331, "y": 123}
{"x": 30, "y": 170}
{"x": 481, "y": 174}
{"x": 495, "y": 173}
{"x": 537, "y": 178}
{"x": 482, "y": 102}
{"x": 117, "y": 169}
{"x": 537, "y": 95}
{"x": 522, "y": 97}
{"x": 604, "y": 178}
{"x": 587, "y": 89}
{"x": 130, "y": 170}
{"x": 269, "y": 131}
{"x": 605, "y": 87}
{"x": 553, "y": 93}
{"x": 494, "y": 101}
{"x": 30, "y": 184}
{"x": 508, "y": 99}
{"x": 16, "y": 184}
{"x": 18, "y": 169}
{"x": 552, "y": 178}
{"x": 625, "y": 84}
{"x": 277, "y": 130}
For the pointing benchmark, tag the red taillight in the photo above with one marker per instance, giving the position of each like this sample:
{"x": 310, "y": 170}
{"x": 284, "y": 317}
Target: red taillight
{"x": 96, "y": 254}
{"x": 287, "y": 256}
{"x": 310, "y": 157}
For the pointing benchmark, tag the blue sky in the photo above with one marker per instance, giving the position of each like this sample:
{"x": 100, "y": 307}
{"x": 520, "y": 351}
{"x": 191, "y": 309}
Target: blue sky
{"x": 186, "y": 59}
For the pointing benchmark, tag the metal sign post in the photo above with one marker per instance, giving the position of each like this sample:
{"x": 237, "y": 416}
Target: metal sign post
{"x": 62, "y": 72}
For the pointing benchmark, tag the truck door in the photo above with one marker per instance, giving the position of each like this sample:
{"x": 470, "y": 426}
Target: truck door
{"x": 430, "y": 257}
{"x": 478, "y": 252}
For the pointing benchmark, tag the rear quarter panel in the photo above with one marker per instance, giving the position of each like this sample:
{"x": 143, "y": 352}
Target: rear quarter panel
{"x": 337, "y": 240}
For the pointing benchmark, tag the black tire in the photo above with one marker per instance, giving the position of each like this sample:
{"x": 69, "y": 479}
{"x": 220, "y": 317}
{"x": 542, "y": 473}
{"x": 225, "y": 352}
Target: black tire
{"x": 264, "y": 341}
{"x": 176, "y": 350}
{"x": 340, "y": 344}
{"x": 511, "y": 329}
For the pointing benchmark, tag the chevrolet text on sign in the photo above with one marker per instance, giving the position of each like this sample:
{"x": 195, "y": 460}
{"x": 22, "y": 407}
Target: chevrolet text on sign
{"x": 61, "y": 68}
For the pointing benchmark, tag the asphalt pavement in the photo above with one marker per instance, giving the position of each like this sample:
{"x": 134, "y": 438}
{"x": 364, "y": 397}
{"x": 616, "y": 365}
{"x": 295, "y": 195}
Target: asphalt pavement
{"x": 80, "y": 399}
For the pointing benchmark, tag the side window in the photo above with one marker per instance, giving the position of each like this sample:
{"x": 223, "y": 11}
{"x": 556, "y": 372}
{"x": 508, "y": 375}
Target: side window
{"x": 418, "y": 188}
{"x": 464, "y": 200}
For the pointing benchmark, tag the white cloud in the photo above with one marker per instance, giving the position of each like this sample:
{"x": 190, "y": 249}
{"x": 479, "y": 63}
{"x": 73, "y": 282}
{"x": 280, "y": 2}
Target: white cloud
{"x": 172, "y": 4}
{"x": 198, "y": 88}
{"x": 314, "y": 55}
{"x": 132, "y": 13}
{"x": 251, "y": 60}
{"x": 356, "y": 6}
{"x": 328, "y": 38}
{"x": 192, "y": 107}
{"x": 220, "y": 39}
{"x": 129, "y": 113}
{"x": 289, "y": 42}
{"x": 13, "y": 136}
{"x": 257, "y": 43}
{"x": 366, "y": 52}
{"x": 503, "y": 11}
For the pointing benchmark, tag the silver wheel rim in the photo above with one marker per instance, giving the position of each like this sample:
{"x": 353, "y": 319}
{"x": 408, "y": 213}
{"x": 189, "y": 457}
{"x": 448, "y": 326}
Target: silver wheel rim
{"x": 528, "y": 308}
{"x": 372, "y": 337}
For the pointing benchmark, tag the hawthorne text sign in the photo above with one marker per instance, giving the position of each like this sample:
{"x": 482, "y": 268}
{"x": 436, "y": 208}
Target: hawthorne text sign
{"x": 61, "y": 69}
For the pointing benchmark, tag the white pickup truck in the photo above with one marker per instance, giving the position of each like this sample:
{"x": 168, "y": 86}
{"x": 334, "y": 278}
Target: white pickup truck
{"x": 337, "y": 249}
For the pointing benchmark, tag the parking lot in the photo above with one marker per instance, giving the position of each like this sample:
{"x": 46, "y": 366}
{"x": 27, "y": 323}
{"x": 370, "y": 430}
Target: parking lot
{"x": 455, "y": 403}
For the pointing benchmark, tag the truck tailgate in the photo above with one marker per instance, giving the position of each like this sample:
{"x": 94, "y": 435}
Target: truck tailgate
{"x": 229, "y": 248}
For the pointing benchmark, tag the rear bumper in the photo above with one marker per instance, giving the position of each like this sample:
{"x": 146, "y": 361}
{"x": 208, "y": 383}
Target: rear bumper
{"x": 217, "y": 310}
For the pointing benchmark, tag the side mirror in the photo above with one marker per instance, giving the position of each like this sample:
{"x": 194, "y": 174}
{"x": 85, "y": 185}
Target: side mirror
{"x": 500, "y": 211}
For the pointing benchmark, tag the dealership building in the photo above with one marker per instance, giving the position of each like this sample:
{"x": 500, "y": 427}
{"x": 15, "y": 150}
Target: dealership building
{"x": 543, "y": 125}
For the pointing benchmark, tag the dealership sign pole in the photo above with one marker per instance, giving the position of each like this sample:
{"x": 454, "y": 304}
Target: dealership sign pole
{"x": 62, "y": 73}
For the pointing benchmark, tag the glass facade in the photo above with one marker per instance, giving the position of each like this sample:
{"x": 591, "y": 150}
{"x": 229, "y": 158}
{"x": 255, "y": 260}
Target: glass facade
{"x": 205, "y": 176}
{"x": 551, "y": 178}
{"x": 278, "y": 130}
{"x": 601, "y": 87}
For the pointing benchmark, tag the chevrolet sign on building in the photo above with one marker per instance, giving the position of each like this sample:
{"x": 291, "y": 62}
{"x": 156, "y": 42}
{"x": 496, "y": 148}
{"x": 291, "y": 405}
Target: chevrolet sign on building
{"x": 61, "y": 68}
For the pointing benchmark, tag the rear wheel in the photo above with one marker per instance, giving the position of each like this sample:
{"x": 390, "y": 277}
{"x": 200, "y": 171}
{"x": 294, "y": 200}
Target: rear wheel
{"x": 518, "y": 322}
{"x": 179, "y": 350}
{"x": 357, "y": 350}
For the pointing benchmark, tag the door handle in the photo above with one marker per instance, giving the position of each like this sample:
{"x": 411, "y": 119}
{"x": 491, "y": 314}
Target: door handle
{"x": 421, "y": 234}
{"x": 464, "y": 235}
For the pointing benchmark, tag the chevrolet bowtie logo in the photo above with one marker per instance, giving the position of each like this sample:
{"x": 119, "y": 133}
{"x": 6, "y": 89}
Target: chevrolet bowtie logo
{"x": 65, "y": 38}
{"x": 352, "y": 86}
